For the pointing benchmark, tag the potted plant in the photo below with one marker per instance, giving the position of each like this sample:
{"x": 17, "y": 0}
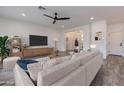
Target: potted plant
{"x": 4, "y": 50}
{"x": 57, "y": 52}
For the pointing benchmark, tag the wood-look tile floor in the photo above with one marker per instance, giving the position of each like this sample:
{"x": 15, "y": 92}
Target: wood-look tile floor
{"x": 110, "y": 74}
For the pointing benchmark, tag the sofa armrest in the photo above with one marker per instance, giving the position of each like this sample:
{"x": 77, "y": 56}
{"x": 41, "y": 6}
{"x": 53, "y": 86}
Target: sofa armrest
{"x": 21, "y": 77}
{"x": 9, "y": 63}
{"x": 92, "y": 68}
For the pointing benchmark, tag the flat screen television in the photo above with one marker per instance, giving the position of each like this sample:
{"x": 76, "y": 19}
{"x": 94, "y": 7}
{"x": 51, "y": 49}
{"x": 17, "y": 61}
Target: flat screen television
{"x": 38, "y": 40}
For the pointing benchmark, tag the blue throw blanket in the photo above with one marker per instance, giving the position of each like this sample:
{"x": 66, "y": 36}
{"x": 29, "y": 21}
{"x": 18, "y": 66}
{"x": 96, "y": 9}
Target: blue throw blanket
{"x": 23, "y": 63}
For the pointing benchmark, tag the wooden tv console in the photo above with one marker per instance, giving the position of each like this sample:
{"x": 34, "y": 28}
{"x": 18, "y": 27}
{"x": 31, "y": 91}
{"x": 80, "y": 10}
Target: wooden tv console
{"x": 32, "y": 52}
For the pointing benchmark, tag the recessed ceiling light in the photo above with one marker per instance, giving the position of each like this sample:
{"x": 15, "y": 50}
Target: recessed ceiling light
{"x": 23, "y": 14}
{"x": 92, "y": 18}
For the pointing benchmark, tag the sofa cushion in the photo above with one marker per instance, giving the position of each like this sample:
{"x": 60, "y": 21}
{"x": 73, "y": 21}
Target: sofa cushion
{"x": 42, "y": 59}
{"x": 33, "y": 69}
{"x": 49, "y": 63}
{"x": 75, "y": 78}
{"x": 62, "y": 59}
{"x": 53, "y": 74}
{"x": 74, "y": 56}
{"x": 88, "y": 56}
{"x": 83, "y": 52}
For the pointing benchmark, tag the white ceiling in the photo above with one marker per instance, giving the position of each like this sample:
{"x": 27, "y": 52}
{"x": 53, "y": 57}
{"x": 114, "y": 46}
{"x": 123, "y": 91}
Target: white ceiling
{"x": 80, "y": 15}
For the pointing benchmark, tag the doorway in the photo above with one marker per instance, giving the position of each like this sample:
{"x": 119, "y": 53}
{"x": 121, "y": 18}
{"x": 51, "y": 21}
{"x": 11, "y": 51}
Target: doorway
{"x": 70, "y": 40}
{"x": 116, "y": 43}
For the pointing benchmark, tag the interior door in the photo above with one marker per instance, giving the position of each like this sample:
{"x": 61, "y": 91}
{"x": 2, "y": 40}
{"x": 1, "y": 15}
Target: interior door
{"x": 116, "y": 43}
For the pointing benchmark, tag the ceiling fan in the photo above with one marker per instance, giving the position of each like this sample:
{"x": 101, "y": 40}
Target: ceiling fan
{"x": 55, "y": 18}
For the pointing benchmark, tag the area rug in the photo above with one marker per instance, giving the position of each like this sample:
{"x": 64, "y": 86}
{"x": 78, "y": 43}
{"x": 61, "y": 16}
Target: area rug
{"x": 6, "y": 78}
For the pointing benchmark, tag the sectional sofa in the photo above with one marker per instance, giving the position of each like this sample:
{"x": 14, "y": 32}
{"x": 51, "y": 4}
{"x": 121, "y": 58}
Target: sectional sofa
{"x": 78, "y": 70}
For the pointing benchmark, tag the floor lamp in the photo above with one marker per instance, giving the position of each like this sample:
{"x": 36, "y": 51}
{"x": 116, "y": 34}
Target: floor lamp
{"x": 55, "y": 43}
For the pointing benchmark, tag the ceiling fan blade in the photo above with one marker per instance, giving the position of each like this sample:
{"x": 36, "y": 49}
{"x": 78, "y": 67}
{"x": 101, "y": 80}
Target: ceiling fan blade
{"x": 64, "y": 18}
{"x": 48, "y": 16}
{"x": 41, "y": 7}
{"x": 54, "y": 21}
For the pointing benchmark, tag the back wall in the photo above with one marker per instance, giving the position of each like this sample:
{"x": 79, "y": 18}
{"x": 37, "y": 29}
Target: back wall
{"x": 24, "y": 29}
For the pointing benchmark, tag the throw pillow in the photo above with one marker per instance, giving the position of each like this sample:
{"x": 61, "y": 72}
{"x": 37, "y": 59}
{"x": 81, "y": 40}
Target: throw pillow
{"x": 33, "y": 69}
{"x": 42, "y": 59}
{"x": 49, "y": 63}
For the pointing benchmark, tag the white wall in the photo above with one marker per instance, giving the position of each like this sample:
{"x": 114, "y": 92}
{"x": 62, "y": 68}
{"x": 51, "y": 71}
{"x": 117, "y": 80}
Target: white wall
{"x": 116, "y": 27}
{"x": 119, "y": 27}
{"x": 100, "y": 26}
{"x": 23, "y": 29}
